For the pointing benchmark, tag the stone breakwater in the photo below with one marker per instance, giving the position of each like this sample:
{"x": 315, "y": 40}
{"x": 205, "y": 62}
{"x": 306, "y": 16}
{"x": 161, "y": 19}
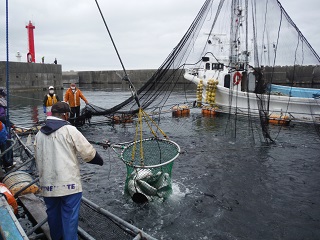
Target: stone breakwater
{"x": 110, "y": 76}
{"x": 28, "y": 76}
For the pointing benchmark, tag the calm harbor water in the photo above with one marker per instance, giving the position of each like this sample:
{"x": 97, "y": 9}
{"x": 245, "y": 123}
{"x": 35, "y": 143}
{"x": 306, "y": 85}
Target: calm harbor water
{"x": 226, "y": 183}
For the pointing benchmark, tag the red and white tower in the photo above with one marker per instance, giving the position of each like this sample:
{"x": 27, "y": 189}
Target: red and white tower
{"x": 31, "y": 56}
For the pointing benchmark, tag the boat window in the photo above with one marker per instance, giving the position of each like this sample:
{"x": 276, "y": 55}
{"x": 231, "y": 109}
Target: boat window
{"x": 227, "y": 81}
{"x": 218, "y": 66}
{"x": 208, "y": 66}
{"x": 241, "y": 66}
{"x": 205, "y": 59}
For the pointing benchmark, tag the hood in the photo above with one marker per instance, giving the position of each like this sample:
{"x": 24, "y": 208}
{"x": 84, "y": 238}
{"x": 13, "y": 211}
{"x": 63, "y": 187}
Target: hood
{"x": 53, "y": 125}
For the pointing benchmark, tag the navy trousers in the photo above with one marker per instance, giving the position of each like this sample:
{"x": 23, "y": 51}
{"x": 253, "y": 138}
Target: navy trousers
{"x": 74, "y": 114}
{"x": 63, "y": 214}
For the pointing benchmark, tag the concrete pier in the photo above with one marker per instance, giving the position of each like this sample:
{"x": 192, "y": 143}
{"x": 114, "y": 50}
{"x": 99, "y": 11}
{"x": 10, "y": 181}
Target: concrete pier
{"x": 110, "y": 77}
{"x": 28, "y": 76}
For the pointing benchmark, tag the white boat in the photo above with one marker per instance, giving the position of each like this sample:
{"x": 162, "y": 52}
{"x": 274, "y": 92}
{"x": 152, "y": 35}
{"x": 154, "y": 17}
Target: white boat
{"x": 235, "y": 68}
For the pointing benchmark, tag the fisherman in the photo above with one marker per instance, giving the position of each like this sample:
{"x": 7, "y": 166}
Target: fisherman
{"x": 3, "y": 106}
{"x": 56, "y": 147}
{"x": 49, "y": 99}
{"x": 7, "y": 158}
{"x": 3, "y": 147}
{"x": 72, "y": 96}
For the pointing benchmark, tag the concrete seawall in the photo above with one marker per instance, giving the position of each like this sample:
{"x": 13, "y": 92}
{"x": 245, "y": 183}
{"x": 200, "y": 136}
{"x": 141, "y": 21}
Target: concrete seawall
{"x": 30, "y": 76}
{"x": 110, "y": 77}
{"x": 307, "y": 76}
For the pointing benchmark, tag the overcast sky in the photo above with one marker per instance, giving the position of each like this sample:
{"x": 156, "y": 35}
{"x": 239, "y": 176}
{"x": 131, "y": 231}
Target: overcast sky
{"x": 144, "y": 31}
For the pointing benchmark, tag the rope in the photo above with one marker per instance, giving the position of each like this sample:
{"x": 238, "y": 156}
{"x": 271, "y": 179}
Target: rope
{"x": 114, "y": 45}
{"x": 139, "y": 126}
{"x": 162, "y": 132}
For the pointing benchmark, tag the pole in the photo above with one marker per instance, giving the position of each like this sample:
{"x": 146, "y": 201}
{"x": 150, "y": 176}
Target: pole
{"x": 7, "y": 69}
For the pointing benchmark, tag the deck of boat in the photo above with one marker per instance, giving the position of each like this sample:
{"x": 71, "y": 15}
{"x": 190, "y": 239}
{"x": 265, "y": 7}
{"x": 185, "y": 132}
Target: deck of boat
{"x": 10, "y": 228}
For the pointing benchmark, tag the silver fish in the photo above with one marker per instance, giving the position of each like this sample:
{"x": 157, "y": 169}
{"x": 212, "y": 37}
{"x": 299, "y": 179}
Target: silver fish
{"x": 132, "y": 187}
{"x": 163, "y": 180}
{"x": 164, "y": 191}
{"x": 141, "y": 174}
{"x": 146, "y": 188}
{"x": 155, "y": 178}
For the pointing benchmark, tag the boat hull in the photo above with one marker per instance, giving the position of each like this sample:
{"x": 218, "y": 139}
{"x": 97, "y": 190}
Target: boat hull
{"x": 233, "y": 100}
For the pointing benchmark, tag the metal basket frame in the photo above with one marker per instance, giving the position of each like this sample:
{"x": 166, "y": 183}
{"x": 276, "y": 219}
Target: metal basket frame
{"x": 151, "y": 166}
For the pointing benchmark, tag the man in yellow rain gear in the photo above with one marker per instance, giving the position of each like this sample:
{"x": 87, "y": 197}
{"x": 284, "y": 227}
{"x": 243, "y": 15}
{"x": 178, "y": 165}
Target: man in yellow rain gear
{"x": 49, "y": 99}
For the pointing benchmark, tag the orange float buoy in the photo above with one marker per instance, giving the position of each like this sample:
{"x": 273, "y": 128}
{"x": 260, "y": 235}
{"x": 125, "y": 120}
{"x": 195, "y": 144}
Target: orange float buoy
{"x": 209, "y": 111}
{"x": 180, "y": 111}
{"x": 279, "y": 119}
{"x": 116, "y": 119}
{"x": 9, "y": 197}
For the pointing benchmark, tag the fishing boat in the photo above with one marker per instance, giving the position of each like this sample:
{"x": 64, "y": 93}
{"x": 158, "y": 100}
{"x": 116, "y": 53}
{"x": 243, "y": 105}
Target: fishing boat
{"x": 249, "y": 59}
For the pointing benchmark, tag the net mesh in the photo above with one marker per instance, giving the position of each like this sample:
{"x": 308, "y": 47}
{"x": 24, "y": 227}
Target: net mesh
{"x": 95, "y": 224}
{"x": 149, "y": 166}
{"x": 274, "y": 45}
{"x": 154, "y": 94}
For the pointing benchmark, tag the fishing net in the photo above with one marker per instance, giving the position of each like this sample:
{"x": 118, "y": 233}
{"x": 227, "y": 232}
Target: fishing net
{"x": 251, "y": 36}
{"x": 95, "y": 223}
{"x": 154, "y": 94}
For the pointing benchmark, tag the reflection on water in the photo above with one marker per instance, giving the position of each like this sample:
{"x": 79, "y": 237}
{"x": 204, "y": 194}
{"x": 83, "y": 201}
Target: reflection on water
{"x": 223, "y": 188}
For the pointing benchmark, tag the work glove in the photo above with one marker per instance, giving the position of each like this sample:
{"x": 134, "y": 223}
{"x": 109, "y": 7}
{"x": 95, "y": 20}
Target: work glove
{"x": 97, "y": 160}
{"x": 44, "y": 109}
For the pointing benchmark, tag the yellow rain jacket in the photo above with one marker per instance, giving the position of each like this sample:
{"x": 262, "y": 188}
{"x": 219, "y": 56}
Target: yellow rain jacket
{"x": 49, "y": 101}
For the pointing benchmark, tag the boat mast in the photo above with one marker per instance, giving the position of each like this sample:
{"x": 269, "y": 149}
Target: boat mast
{"x": 247, "y": 40}
{"x": 236, "y": 52}
{"x": 233, "y": 38}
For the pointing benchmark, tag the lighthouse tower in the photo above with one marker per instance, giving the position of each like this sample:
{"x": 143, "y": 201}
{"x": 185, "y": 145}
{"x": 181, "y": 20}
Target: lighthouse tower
{"x": 31, "y": 56}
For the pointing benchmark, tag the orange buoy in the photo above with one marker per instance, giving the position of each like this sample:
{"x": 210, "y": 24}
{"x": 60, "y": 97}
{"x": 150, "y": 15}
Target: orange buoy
{"x": 115, "y": 119}
{"x": 209, "y": 111}
{"x": 180, "y": 111}
{"x": 121, "y": 119}
{"x": 279, "y": 119}
{"x": 10, "y": 198}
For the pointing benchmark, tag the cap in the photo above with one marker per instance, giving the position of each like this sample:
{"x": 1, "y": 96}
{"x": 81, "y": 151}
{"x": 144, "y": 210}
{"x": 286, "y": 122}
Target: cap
{"x": 51, "y": 87}
{"x": 3, "y": 92}
{"x": 60, "y": 107}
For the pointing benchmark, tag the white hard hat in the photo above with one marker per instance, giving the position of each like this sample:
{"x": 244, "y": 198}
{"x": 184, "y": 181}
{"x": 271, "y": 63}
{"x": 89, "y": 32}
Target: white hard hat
{"x": 51, "y": 87}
